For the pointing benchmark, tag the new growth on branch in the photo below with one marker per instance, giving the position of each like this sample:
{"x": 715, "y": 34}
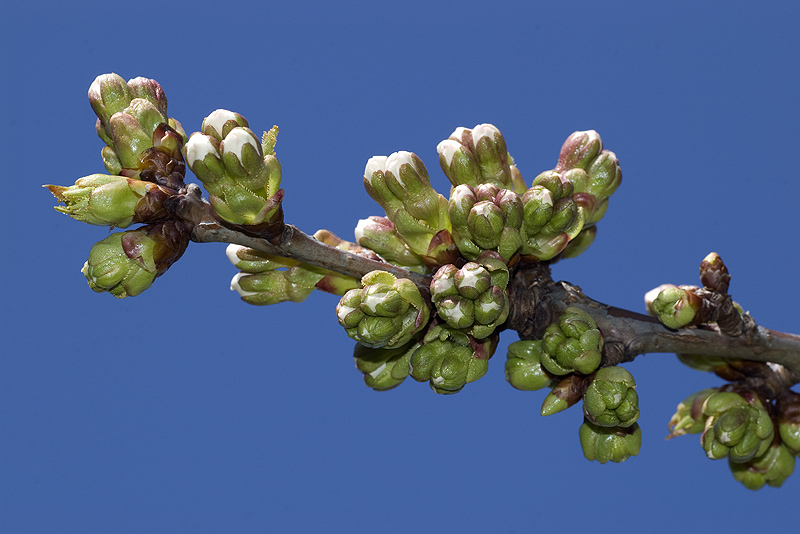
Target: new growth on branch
{"x": 428, "y": 286}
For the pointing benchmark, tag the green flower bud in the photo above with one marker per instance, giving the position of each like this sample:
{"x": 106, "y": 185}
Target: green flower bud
{"x": 379, "y": 234}
{"x": 604, "y": 176}
{"x": 579, "y": 150}
{"x": 386, "y": 312}
{"x": 787, "y": 415}
{"x": 467, "y": 299}
{"x": 243, "y": 183}
{"x": 115, "y": 201}
{"x": 611, "y": 399}
{"x": 450, "y": 359}
{"x": 109, "y": 94}
{"x": 689, "y": 417}
{"x": 458, "y": 163}
{"x": 615, "y": 444}
{"x": 253, "y": 261}
{"x": 125, "y": 264}
{"x": 149, "y": 90}
{"x": 677, "y": 307}
{"x": 772, "y": 468}
{"x": 384, "y": 368}
{"x": 573, "y": 344}
{"x": 523, "y": 366}
{"x": 734, "y": 428}
{"x": 400, "y": 184}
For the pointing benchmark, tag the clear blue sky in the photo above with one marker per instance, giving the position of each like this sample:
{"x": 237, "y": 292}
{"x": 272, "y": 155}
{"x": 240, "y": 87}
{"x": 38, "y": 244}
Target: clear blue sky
{"x": 186, "y": 410}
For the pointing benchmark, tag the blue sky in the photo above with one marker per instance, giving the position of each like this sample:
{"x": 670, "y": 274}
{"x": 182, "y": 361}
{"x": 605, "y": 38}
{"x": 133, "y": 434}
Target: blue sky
{"x": 186, "y": 410}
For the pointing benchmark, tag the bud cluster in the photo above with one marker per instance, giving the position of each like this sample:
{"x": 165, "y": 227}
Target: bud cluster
{"x": 126, "y": 263}
{"x": 241, "y": 174}
{"x": 384, "y": 312}
{"x": 400, "y": 184}
{"x": 473, "y": 298}
{"x": 144, "y": 159}
{"x": 759, "y": 439}
{"x": 572, "y": 344}
{"x": 131, "y": 118}
{"x": 449, "y": 359}
{"x": 479, "y": 156}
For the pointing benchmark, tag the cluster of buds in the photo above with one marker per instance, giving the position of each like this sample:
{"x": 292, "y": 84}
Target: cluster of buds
{"x": 611, "y": 399}
{"x": 240, "y": 173}
{"x": 126, "y": 263}
{"x": 735, "y": 425}
{"x": 572, "y": 344}
{"x": 143, "y": 155}
{"x": 266, "y": 279}
{"x": 486, "y": 218}
{"x": 384, "y": 312}
{"x": 131, "y": 118}
{"x": 478, "y": 156}
{"x": 552, "y": 218}
{"x": 472, "y": 299}
{"x": 401, "y": 185}
{"x": 449, "y": 359}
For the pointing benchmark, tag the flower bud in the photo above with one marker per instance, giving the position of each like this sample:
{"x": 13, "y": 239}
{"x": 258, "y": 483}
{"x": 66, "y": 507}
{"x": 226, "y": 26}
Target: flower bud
{"x": 573, "y": 344}
{"x": 116, "y": 201}
{"x": 379, "y": 234}
{"x": 384, "y": 368}
{"x": 523, "y": 367}
{"x": 615, "y": 444}
{"x": 458, "y": 163}
{"x": 220, "y": 122}
{"x": 450, "y": 359}
{"x": 386, "y": 312}
{"x": 108, "y": 95}
{"x": 579, "y": 150}
{"x": 771, "y": 468}
{"x": 611, "y": 399}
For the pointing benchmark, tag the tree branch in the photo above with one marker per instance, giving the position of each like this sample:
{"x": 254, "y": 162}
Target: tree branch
{"x": 536, "y": 301}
